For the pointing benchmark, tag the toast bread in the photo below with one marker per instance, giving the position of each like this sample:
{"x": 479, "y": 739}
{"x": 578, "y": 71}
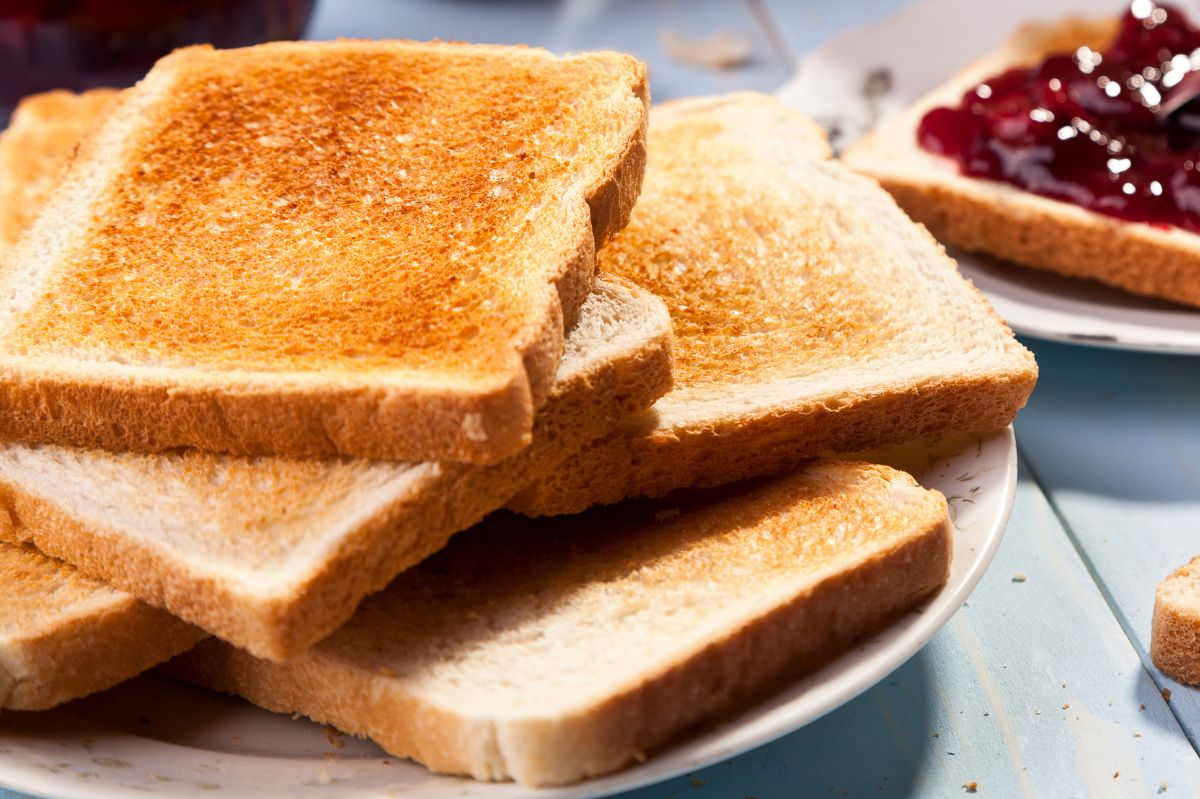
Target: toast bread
{"x": 1175, "y": 632}
{"x": 1004, "y": 220}
{"x": 273, "y": 553}
{"x": 319, "y": 249}
{"x": 553, "y": 650}
{"x": 39, "y": 140}
{"x": 781, "y": 270}
{"x": 63, "y": 635}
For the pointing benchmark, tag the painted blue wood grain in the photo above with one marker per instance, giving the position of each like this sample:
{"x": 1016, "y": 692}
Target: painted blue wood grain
{"x": 1031, "y": 690}
{"x": 1115, "y": 440}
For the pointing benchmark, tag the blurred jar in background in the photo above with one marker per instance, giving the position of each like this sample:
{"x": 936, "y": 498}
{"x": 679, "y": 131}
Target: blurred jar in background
{"x": 78, "y": 44}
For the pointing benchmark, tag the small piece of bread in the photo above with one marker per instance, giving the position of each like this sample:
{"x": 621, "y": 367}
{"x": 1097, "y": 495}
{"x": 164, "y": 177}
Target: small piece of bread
{"x": 36, "y": 146}
{"x": 810, "y": 314}
{"x": 63, "y": 635}
{"x": 272, "y": 553}
{"x": 1175, "y": 633}
{"x": 550, "y": 651}
{"x": 1004, "y": 220}
{"x": 319, "y": 249}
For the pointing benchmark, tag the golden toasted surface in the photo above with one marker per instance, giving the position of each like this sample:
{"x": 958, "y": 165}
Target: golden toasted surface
{"x": 757, "y": 273}
{"x": 39, "y": 140}
{"x": 299, "y": 206}
{"x": 748, "y": 536}
{"x": 36, "y": 591}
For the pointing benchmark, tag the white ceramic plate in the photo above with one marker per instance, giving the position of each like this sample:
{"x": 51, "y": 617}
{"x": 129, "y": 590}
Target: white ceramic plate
{"x": 152, "y": 734}
{"x": 859, "y": 78}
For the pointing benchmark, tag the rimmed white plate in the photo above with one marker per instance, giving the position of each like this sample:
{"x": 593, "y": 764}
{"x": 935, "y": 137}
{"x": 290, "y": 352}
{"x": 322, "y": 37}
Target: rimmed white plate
{"x": 856, "y": 80}
{"x": 154, "y": 735}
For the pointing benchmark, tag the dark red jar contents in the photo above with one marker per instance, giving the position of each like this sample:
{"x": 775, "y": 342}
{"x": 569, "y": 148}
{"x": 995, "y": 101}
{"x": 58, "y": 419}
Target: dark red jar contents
{"x": 1116, "y": 132}
{"x": 78, "y": 44}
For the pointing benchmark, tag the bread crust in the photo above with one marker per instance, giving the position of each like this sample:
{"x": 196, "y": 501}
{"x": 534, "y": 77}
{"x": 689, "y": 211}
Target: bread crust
{"x": 395, "y": 416}
{"x": 1175, "y": 630}
{"x": 646, "y": 458}
{"x": 1005, "y": 221}
{"x": 737, "y": 664}
{"x": 405, "y": 529}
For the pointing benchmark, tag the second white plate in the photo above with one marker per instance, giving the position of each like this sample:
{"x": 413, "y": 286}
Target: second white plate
{"x": 859, "y": 78}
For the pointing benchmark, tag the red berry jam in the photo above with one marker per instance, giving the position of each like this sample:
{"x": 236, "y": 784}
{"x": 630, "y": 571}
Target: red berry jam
{"x": 1116, "y": 132}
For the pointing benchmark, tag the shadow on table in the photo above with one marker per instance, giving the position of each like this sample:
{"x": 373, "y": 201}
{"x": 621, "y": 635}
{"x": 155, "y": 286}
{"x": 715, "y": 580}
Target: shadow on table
{"x": 1114, "y": 424}
{"x": 874, "y": 746}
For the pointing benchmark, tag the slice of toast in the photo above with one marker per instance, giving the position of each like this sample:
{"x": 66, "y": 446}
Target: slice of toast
{"x": 63, "y": 635}
{"x": 39, "y": 140}
{"x": 272, "y": 553}
{"x": 810, "y": 314}
{"x": 319, "y": 249}
{"x": 1175, "y": 632}
{"x": 1008, "y": 222}
{"x": 551, "y": 651}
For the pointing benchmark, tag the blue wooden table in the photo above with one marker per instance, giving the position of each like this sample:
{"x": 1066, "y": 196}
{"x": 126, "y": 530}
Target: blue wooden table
{"x": 1041, "y": 685}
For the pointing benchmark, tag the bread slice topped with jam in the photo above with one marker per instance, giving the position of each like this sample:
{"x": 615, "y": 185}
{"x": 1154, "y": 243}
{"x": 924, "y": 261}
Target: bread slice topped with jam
{"x": 1062, "y": 151}
{"x": 318, "y": 249}
{"x": 810, "y": 314}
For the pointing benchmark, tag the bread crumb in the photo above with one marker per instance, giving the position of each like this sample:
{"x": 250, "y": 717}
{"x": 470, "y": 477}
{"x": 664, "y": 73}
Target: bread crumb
{"x": 971, "y": 787}
{"x": 473, "y": 429}
{"x": 1067, "y": 706}
{"x": 1162, "y": 787}
{"x": 1116, "y": 774}
{"x": 696, "y": 782}
{"x": 1018, "y": 578}
{"x": 1142, "y": 708}
{"x": 334, "y": 737}
{"x": 1166, "y": 694}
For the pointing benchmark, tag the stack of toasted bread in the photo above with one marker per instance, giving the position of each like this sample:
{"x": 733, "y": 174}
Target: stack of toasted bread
{"x": 293, "y": 320}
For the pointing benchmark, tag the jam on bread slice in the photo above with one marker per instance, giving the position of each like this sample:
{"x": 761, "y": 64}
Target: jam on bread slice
{"x": 1073, "y": 149}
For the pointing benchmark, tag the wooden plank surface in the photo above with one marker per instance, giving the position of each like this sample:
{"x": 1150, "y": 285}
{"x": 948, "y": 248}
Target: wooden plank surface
{"x": 1114, "y": 439}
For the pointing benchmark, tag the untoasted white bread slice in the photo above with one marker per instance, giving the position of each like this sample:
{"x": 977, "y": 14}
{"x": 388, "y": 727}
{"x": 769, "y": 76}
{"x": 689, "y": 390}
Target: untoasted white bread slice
{"x": 549, "y": 651}
{"x": 63, "y": 635}
{"x": 810, "y": 314}
{"x": 272, "y": 553}
{"x": 317, "y": 249}
{"x": 1175, "y": 632}
{"x": 1005, "y": 221}
{"x": 39, "y": 140}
